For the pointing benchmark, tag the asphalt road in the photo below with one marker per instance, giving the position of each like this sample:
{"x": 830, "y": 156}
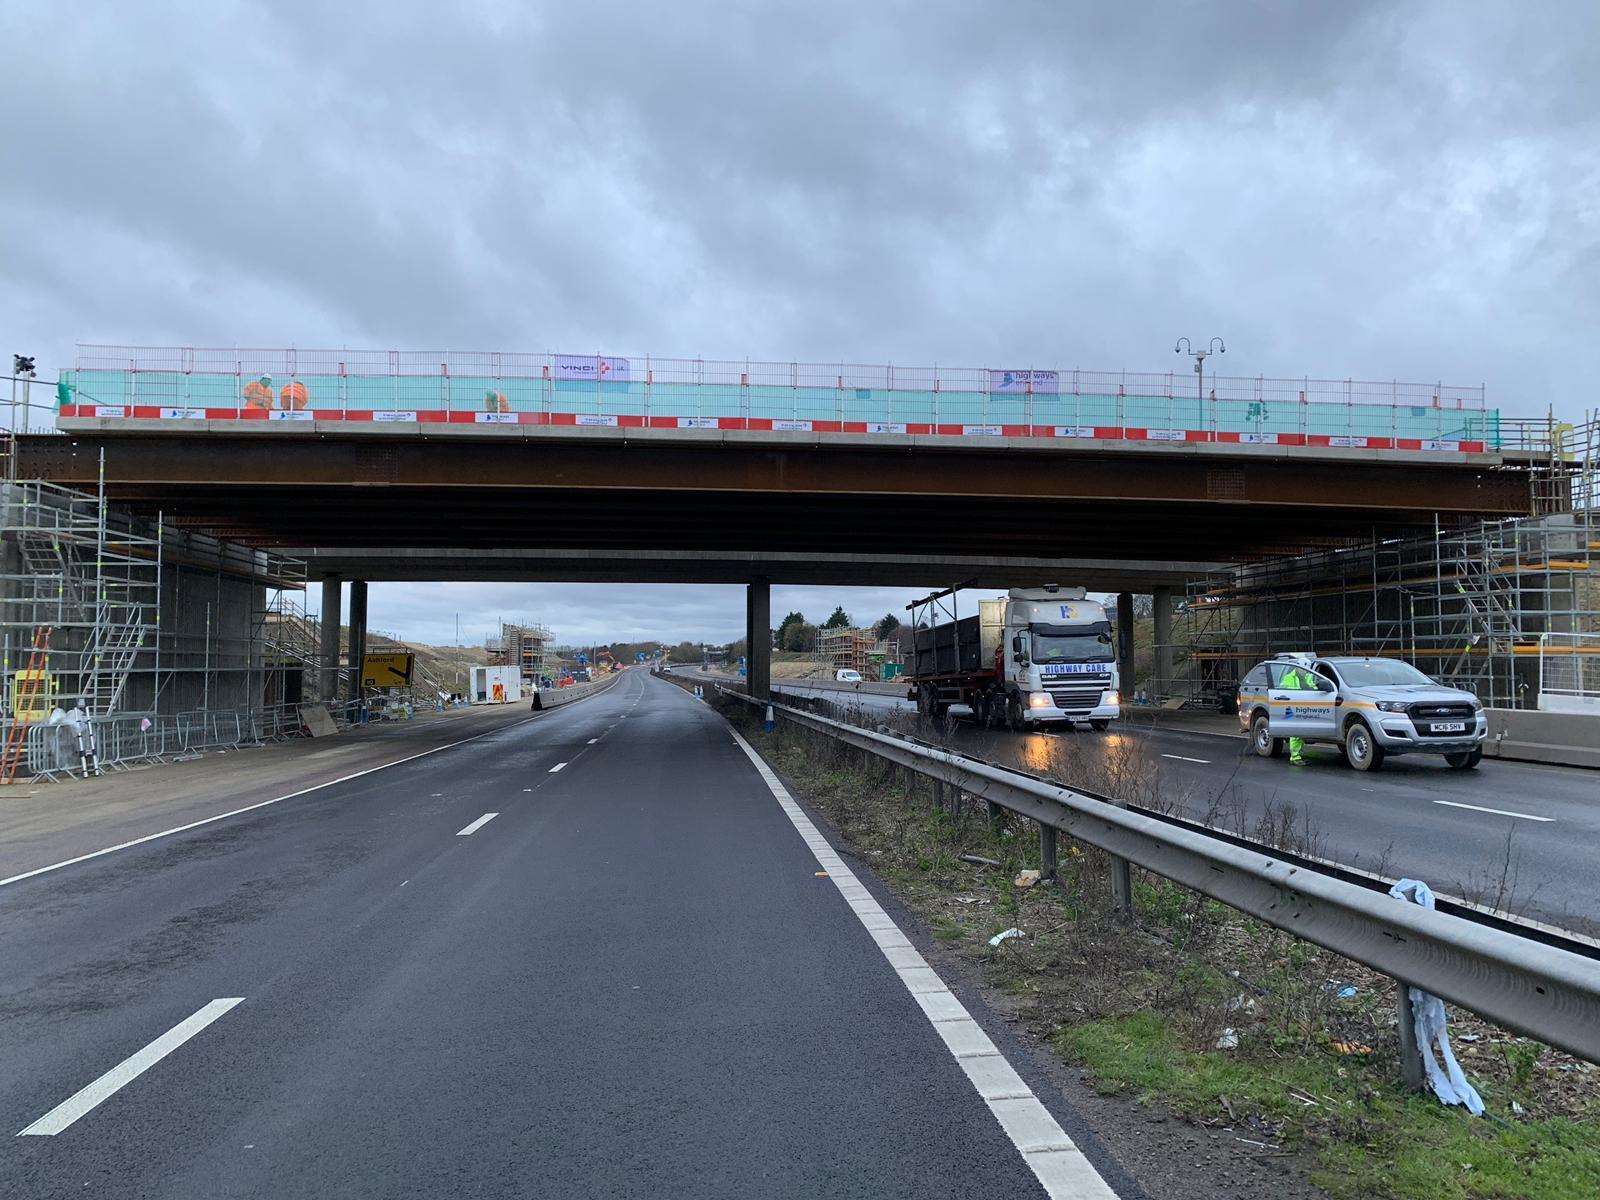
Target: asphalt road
{"x": 590, "y": 955}
{"x": 1533, "y": 826}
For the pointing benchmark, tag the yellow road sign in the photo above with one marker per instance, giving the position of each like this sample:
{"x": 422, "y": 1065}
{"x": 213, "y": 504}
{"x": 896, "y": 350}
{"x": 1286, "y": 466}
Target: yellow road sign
{"x": 386, "y": 670}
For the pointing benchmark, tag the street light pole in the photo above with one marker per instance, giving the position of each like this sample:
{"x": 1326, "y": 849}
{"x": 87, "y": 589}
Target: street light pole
{"x": 1215, "y": 346}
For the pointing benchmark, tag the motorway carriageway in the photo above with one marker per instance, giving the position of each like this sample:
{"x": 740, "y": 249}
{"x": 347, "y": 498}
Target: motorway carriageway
{"x": 597, "y": 953}
{"x": 1414, "y": 817}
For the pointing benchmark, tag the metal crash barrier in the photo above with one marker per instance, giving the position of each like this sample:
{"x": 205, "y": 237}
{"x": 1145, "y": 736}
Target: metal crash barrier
{"x": 1546, "y": 987}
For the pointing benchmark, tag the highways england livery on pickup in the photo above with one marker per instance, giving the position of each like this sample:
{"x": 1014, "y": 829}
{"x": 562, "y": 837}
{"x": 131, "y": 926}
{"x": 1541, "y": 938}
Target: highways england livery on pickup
{"x": 1371, "y": 707}
{"x": 1031, "y": 657}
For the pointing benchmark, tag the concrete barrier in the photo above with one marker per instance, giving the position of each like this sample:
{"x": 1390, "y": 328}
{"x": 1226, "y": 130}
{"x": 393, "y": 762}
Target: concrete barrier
{"x": 1570, "y": 739}
{"x": 554, "y": 697}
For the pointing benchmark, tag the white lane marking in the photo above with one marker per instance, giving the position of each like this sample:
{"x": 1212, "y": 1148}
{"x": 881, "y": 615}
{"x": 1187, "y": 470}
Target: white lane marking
{"x": 556, "y": 768}
{"x": 592, "y": 741}
{"x": 1499, "y": 812}
{"x": 477, "y": 825}
{"x": 316, "y": 787}
{"x": 125, "y": 1072}
{"x": 1057, "y": 1163}
{"x": 1186, "y": 758}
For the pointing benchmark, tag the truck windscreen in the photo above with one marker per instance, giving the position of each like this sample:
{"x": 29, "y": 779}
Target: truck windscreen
{"x": 1071, "y": 643}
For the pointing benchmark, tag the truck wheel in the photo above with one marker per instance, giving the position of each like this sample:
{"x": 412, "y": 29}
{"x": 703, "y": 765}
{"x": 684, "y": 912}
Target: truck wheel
{"x": 1261, "y": 739}
{"x": 1014, "y": 719}
{"x": 1361, "y": 749}
{"x": 1466, "y": 760}
{"x": 924, "y": 701}
{"x": 980, "y": 711}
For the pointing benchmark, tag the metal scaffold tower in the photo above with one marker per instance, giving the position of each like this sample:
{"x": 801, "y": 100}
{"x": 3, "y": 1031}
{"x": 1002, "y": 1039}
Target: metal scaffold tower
{"x": 95, "y": 584}
{"x": 1507, "y": 609}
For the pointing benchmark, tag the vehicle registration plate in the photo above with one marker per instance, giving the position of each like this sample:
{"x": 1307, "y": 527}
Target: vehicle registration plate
{"x": 1448, "y": 727}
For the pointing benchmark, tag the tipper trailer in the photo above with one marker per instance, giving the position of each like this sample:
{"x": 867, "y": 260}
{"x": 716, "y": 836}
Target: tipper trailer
{"x": 1034, "y": 656}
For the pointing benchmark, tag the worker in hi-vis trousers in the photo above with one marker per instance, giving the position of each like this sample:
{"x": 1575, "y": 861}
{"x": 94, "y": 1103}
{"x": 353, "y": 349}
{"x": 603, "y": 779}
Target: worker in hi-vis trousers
{"x": 1297, "y": 679}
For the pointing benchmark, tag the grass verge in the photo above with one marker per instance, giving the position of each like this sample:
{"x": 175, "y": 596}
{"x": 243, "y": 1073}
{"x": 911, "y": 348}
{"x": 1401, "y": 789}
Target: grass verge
{"x": 1287, "y": 1049}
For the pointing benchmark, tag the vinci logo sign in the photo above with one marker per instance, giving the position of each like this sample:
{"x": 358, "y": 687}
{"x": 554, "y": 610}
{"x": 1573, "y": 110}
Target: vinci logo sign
{"x": 591, "y": 367}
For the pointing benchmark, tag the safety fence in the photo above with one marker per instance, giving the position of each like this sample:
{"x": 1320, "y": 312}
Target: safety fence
{"x": 96, "y": 745}
{"x": 1539, "y": 982}
{"x": 1569, "y": 672}
{"x": 187, "y": 384}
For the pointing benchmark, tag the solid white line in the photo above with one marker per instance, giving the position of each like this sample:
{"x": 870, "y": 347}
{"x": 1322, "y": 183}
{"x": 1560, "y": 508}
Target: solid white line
{"x": 477, "y": 825}
{"x": 1057, "y": 1163}
{"x": 1186, "y": 758}
{"x": 125, "y": 1072}
{"x": 1499, "y": 812}
{"x": 317, "y": 787}
{"x": 557, "y": 767}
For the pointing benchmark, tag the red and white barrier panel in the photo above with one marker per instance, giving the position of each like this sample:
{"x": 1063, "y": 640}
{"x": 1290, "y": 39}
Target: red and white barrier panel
{"x": 1103, "y": 433}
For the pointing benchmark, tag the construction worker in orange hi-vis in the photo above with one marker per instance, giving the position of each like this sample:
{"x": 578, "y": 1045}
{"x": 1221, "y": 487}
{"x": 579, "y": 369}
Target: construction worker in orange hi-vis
{"x": 258, "y": 393}
{"x": 496, "y": 402}
{"x": 294, "y": 396}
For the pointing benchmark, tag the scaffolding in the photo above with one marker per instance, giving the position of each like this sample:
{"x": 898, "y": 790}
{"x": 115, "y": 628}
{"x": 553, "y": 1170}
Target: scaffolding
{"x": 525, "y": 645}
{"x": 1509, "y": 609}
{"x": 859, "y": 650}
{"x": 123, "y": 640}
{"x": 94, "y": 586}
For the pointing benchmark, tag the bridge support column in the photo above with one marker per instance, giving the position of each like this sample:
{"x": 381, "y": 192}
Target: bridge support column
{"x": 1125, "y": 645}
{"x": 358, "y": 639}
{"x": 328, "y": 642}
{"x": 758, "y": 638}
{"x": 1162, "y": 684}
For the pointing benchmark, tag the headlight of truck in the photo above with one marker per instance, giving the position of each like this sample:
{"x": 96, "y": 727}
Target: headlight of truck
{"x": 1111, "y": 698}
{"x": 1391, "y": 706}
{"x": 1038, "y": 699}
{"x": 1477, "y": 705}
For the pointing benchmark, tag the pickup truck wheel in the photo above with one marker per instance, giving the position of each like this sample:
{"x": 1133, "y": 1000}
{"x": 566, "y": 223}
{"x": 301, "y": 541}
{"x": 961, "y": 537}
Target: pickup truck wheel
{"x": 1466, "y": 760}
{"x": 1361, "y": 749}
{"x": 1261, "y": 739}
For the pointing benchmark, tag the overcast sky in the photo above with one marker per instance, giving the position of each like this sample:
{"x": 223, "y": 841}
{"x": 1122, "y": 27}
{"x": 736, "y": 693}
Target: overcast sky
{"x": 1373, "y": 190}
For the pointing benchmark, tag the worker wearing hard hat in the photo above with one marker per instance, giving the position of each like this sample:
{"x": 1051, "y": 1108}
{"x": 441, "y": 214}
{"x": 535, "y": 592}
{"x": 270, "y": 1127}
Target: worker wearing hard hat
{"x": 258, "y": 393}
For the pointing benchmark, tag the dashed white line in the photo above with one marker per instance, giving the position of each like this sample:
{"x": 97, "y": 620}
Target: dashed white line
{"x": 316, "y": 787}
{"x": 125, "y": 1072}
{"x": 477, "y": 825}
{"x": 1052, "y": 1156}
{"x": 592, "y": 741}
{"x": 1186, "y": 758}
{"x": 1499, "y": 812}
{"x": 556, "y": 768}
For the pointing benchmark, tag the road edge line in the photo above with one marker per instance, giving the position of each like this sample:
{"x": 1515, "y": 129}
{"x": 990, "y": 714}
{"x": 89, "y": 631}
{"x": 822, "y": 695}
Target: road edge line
{"x": 1055, "y": 1159}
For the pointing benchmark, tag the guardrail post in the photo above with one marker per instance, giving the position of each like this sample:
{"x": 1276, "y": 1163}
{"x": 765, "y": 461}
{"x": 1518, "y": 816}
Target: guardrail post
{"x": 997, "y": 817}
{"x": 1047, "y": 851}
{"x": 1121, "y": 886}
{"x": 1411, "y": 1071}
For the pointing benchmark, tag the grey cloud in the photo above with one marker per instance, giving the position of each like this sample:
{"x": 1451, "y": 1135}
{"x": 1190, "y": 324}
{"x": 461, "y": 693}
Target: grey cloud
{"x": 1355, "y": 189}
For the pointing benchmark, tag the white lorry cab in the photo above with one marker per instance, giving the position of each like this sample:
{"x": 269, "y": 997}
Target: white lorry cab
{"x": 1034, "y": 656}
